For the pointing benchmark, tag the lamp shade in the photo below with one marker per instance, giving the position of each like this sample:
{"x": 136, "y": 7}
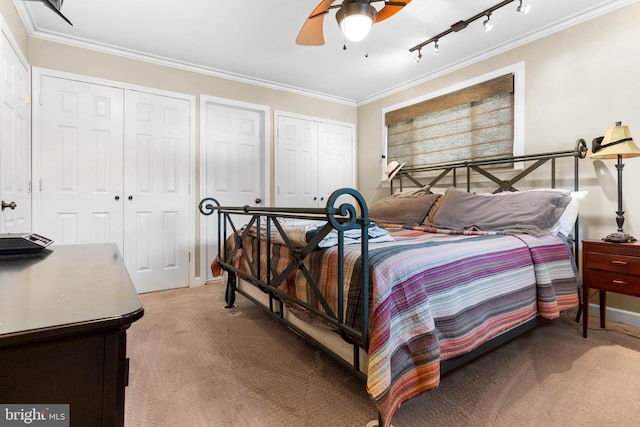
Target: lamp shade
{"x": 617, "y": 141}
{"x": 356, "y": 19}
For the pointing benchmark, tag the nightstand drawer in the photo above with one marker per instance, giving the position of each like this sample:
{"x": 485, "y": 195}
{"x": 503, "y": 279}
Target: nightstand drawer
{"x": 613, "y": 282}
{"x": 612, "y": 262}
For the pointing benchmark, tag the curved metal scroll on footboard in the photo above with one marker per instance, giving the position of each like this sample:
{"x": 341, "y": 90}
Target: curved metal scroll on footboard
{"x": 237, "y": 223}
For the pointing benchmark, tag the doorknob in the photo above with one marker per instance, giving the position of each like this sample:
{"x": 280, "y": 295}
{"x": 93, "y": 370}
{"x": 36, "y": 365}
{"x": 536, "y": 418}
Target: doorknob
{"x": 11, "y": 205}
{"x": 130, "y": 197}
{"x": 258, "y": 200}
{"x": 117, "y": 197}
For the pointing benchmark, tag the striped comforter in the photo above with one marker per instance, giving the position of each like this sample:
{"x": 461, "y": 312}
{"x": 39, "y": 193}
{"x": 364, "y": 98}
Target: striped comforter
{"x": 437, "y": 296}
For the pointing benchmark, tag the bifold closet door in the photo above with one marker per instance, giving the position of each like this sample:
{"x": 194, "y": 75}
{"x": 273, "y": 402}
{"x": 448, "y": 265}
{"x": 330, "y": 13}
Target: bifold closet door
{"x": 156, "y": 183}
{"x": 114, "y": 167}
{"x": 313, "y": 159}
{"x": 80, "y": 163}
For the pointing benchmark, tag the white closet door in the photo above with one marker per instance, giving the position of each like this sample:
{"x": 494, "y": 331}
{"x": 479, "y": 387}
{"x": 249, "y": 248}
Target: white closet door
{"x": 156, "y": 243}
{"x": 80, "y": 150}
{"x": 335, "y": 159}
{"x": 234, "y": 147}
{"x": 296, "y": 167}
{"x": 235, "y": 139}
{"x": 15, "y": 141}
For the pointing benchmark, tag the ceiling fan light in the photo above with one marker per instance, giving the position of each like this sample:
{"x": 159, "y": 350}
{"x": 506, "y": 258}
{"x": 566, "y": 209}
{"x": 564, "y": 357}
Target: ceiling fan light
{"x": 356, "y": 20}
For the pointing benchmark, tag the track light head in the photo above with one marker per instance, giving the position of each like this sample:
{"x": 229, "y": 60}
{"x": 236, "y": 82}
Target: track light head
{"x": 524, "y": 9}
{"x": 419, "y": 56}
{"x": 488, "y": 25}
{"x": 436, "y": 47}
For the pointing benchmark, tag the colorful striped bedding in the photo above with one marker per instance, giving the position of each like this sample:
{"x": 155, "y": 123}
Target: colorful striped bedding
{"x": 436, "y": 295}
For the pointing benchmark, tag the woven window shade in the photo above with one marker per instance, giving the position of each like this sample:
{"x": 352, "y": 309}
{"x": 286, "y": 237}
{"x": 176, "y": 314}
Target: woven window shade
{"x": 472, "y": 123}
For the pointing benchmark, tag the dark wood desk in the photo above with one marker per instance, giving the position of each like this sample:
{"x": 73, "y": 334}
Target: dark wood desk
{"x": 64, "y": 313}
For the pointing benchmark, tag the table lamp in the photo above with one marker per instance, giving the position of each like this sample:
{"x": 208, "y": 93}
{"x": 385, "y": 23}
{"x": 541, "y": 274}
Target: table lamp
{"x": 616, "y": 143}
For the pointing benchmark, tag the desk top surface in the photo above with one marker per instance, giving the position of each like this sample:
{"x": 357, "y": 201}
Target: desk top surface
{"x": 65, "y": 289}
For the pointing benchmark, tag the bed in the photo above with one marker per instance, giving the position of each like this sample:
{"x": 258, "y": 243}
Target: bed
{"x": 402, "y": 295}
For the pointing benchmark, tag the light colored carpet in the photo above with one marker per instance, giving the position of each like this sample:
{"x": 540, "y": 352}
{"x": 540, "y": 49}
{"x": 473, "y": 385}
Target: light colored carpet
{"x": 193, "y": 363}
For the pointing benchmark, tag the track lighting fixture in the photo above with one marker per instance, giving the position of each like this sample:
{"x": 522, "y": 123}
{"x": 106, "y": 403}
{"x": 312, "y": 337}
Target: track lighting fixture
{"x": 419, "y": 56}
{"x": 487, "y": 24}
{"x": 462, "y": 24}
{"x": 524, "y": 9}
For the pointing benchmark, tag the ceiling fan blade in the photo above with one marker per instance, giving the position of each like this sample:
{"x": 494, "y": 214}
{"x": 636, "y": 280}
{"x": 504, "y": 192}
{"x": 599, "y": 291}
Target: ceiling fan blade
{"x": 55, "y": 5}
{"x": 312, "y": 31}
{"x": 390, "y": 8}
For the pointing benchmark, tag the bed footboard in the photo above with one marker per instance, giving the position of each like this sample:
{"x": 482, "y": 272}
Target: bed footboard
{"x": 345, "y": 218}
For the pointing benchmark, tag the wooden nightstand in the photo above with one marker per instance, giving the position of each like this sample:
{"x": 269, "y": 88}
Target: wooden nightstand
{"x": 608, "y": 267}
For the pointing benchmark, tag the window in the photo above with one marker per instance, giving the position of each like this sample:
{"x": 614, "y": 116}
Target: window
{"x": 475, "y": 122}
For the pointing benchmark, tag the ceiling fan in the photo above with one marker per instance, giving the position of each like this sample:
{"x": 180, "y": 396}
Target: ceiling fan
{"x": 355, "y": 17}
{"x": 55, "y": 5}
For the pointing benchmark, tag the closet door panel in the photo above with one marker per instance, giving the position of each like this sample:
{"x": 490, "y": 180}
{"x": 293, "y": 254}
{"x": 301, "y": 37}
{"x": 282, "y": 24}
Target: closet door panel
{"x": 156, "y": 192}
{"x": 81, "y": 161}
{"x": 233, "y": 140}
{"x": 336, "y": 159}
{"x": 15, "y": 138}
{"x": 296, "y": 171}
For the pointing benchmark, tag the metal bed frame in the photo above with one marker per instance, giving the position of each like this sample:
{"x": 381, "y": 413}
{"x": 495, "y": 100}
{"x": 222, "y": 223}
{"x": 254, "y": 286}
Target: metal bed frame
{"x": 345, "y": 217}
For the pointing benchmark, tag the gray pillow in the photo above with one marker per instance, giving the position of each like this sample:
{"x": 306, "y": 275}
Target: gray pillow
{"x": 528, "y": 212}
{"x": 403, "y": 208}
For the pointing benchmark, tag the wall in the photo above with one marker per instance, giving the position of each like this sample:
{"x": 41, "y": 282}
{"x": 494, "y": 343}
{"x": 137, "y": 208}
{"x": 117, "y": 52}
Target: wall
{"x": 11, "y": 17}
{"x": 579, "y": 82}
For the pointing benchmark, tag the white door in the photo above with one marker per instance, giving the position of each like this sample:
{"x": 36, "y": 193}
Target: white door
{"x": 296, "y": 167}
{"x": 80, "y": 163}
{"x": 15, "y": 141}
{"x": 156, "y": 190}
{"x": 235, "y": 152}
{"x": 335, "y": 159}
{"x": 313, "y": 159}
{"x": 90, "y": 191}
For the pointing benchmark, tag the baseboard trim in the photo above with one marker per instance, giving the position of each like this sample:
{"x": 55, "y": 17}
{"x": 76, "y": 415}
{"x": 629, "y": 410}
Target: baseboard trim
{"x": 617, "y": 315}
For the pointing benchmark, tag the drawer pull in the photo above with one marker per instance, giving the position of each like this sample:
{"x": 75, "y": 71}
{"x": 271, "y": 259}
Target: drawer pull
{"x": 620, "y": 282}
{"x": 614, "y": 262}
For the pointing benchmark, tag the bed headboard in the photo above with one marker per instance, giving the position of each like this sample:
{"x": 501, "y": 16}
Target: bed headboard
{"x": 416, "y": 174}
{"x": 478, "y": 172}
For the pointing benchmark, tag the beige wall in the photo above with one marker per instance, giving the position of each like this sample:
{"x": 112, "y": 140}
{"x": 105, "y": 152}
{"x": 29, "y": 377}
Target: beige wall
{"x": 578, "y": 83}
{"x": 10, "y": 16}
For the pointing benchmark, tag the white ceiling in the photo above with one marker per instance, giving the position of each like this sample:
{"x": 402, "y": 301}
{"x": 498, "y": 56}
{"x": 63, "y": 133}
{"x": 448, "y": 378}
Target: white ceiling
{"x": 254, "y": 40}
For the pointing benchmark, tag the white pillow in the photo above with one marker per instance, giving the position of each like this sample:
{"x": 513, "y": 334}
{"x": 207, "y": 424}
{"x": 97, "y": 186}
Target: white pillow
{"x": 565, "y": 223}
